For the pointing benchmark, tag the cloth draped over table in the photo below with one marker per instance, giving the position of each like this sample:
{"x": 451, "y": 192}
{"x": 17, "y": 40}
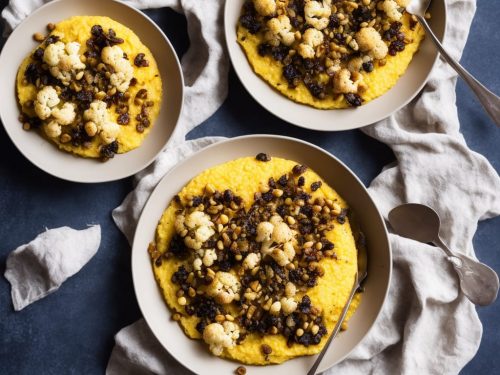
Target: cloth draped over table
{"x": 427, "y": 326}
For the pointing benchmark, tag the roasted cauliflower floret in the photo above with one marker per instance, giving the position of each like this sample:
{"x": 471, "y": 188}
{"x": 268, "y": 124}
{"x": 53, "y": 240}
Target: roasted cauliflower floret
{"x": 109, "y": 131}
{"x": 53, "y": 129}
{"x": 346, "y": 82}
{"x": 98, "y": 114}
{"x": 224, "y": 287}
{"x": 220, "y": 336}
{"x": 264, "y": 231}
{"x": 123, "y": 70}
{"x": 196, "y": 228}
{"x": 310, "y": 40}
{"x": 370, "y": 41}
{"x": 280, "y": 30}
{"x": 63, "y": 60}
{"x": 317, "y": 13}
{"x": 46, "y": 100}
{"x": 251, "y": 261}
{"x": 265, "y": 7}
{"x": 64, "y": 115}
{"x": 276, "y": 232}
{"x": 391, "y": 9}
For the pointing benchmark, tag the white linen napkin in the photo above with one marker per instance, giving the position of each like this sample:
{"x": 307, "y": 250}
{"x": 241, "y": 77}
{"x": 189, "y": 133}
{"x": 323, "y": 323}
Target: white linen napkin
{"x": 427, "y": 325}
{"x": 40, "y": 267}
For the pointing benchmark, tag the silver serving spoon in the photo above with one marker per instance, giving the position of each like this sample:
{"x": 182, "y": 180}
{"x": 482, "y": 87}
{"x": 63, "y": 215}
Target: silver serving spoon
{"x": 360, "y": 276}
{"x": 489, "y": 100}
{"x": 419, "y": 222}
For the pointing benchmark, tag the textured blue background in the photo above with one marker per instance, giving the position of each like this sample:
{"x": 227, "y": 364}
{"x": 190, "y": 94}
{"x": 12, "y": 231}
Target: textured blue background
{"x": 72, "y": 330}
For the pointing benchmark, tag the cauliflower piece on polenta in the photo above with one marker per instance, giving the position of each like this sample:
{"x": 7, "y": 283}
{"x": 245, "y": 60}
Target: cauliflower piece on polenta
{"x": 98, "y": 115}
{"x": 279, "y": 30}
{"x": 63, "y": 60}
{"x": 310, "y": 40}
{"x": 370, "y": 41}
{"x": 347, "y": 82}
{"x": 220, "y": 336}
{"x": 391, "y": 9}
{"x": 275, "y": 231}
{"x": 53, "y": 129}
{"x": 196, "y": 228}
{"x": 46, "y": 100}
{"x": 123, "y": 71}
{"x": 224, "y": 287}
{"x": 265, "y": 7}
{"x": 64, "y": 115}
{"x": 317, "y": 14}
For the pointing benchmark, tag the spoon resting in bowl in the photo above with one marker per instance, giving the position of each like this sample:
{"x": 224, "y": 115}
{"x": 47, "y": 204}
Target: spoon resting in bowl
{"x": 489, "y": 100}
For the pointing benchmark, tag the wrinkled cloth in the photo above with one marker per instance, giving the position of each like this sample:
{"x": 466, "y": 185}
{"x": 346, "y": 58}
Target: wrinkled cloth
{"x": 40, "y": 267}
{"x": 427, "y": 326}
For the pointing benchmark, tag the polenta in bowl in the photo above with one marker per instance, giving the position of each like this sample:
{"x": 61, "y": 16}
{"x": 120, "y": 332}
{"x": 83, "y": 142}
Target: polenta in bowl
{"x": 256, "y": 257}
{"x": 329, "y": 54}
{"x": 91, "y": 87}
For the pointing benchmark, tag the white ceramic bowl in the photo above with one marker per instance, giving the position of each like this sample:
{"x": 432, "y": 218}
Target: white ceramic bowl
{"x": 308, "y": 117}
{"x": 44, "y": 154}
{"x": 194, "y": 354}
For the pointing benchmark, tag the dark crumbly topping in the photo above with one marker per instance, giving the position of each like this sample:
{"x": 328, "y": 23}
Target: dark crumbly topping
{"x": 268, "y": 281}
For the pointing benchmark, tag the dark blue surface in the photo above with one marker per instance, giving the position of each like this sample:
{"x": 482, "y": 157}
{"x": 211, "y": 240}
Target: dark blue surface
{"x": 71, "y": 331}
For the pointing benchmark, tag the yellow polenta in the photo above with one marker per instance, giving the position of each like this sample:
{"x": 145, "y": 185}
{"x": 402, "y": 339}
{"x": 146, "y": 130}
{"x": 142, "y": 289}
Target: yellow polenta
{"x": 244, "y": 177}
{"x": 379, "y": 81}
{"x": 77, "y": 29}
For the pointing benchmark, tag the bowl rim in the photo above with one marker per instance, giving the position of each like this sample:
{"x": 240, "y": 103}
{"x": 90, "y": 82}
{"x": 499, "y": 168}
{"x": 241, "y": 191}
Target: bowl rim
{"x": 231, "y": 51}
{"x": 179, "y": 165}
{"x": 103, "y": 178}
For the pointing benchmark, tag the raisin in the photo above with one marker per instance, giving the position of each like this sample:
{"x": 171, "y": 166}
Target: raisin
{"x": 279, "y": 52}
{"x": 299, "y": 169}
{"x": 228, "y": 196}
{"x": 264, "y": 49}
{"x": 316, "y": 185}
{"x": 301, "y": 181}
{"x": 334, "y": 21}
{"x": 251, "y": 23}
{"x": 109, "y": 151}
{"x": 305, "y": 305}
{"x": 266, "y": 349}
{"x": 283, "y": 180}
{"x": 180, "y": 276}
{"x": 263, "y": 157}
{"x": 395, "y": 47}
{"x": 140, "y": 61}
{"x": 368, "y": 66}
{"x": 178, "y": 248}
{"x": 123, "y": 119}
{"x": 291, "y": 74}
{"x": 38, "y": 54}
{"x": 353, "y": 99}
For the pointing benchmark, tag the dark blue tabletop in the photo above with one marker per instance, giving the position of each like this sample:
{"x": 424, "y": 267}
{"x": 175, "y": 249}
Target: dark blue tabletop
{"x": 72, "y": 330}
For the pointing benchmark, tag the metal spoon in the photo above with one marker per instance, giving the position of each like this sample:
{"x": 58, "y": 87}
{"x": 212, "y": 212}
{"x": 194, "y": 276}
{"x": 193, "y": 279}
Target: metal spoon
{"x": 360, "y": 276}
{"x": 489, "y": 100}
{"x": 419, "y": 222}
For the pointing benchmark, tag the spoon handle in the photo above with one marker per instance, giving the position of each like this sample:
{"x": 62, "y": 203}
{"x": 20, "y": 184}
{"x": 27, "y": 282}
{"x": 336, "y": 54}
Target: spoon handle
{"x": 478, "y": 282}
{"x": 336, "y": 329}
{"x": 489, "y": 100}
